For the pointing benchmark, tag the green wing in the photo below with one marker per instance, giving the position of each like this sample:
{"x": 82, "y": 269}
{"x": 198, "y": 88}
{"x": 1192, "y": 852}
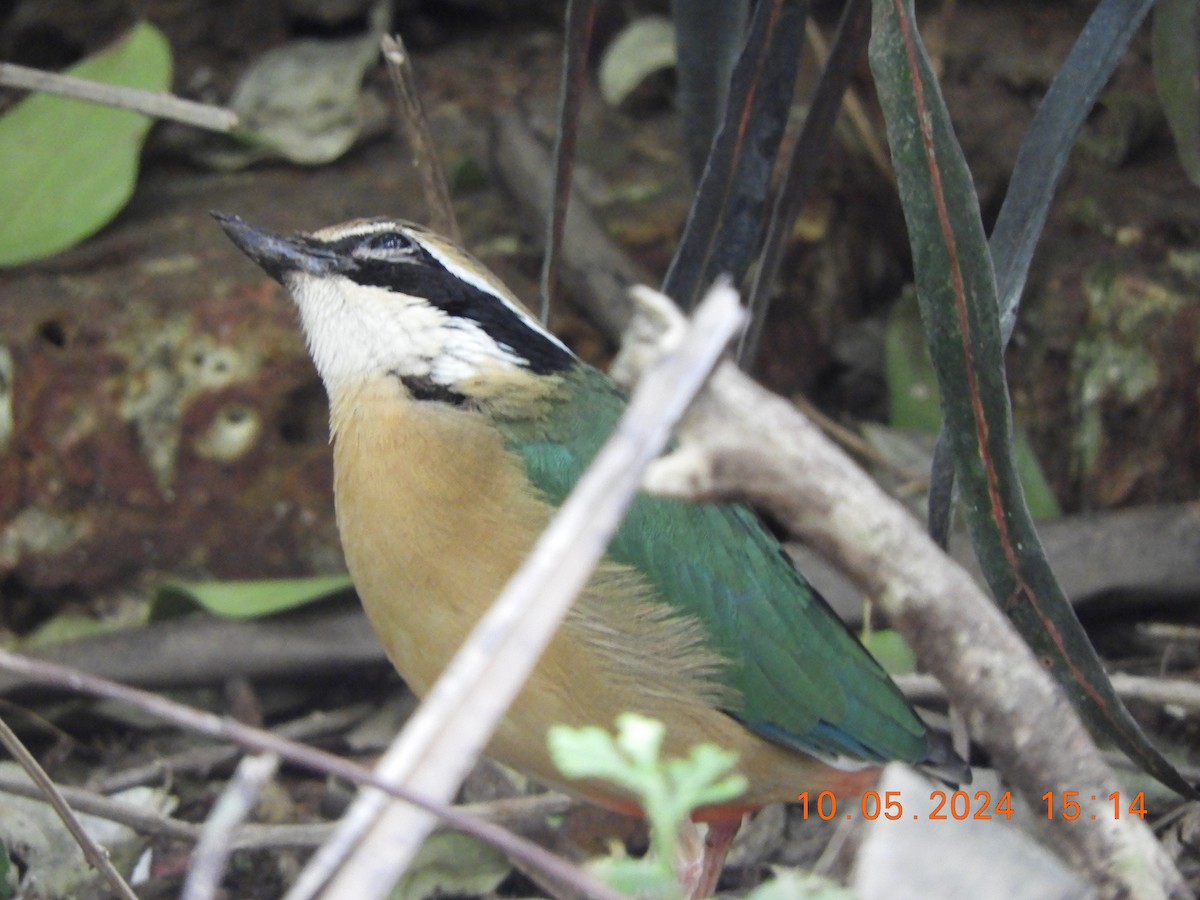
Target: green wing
{"x": 802, "y": 678}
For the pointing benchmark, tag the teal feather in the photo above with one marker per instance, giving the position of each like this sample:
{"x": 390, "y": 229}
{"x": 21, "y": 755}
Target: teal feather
{"x": 797, "y": 675}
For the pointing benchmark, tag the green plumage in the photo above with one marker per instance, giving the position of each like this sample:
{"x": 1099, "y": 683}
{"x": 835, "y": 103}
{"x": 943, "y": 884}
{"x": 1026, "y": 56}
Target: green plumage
{"x": 799, "y": 676}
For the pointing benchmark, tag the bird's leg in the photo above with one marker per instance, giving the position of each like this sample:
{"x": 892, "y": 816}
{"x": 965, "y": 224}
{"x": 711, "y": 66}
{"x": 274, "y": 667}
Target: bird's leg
{"x": 700, "y": 869}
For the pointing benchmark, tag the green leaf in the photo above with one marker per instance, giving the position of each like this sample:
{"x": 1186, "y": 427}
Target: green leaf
{"x": 794, "y": 884}
{"x": 67, "y": 167}
{"x": 1176, "y": 47}
{"x": 914, "y": 402}
{"x": 956, "y": 288}
{"x": 641, "y": 878}
{"x": 7, "y": 887}
{"x": 67, "y": 626}
{"x": 590, "y": 752}
{"x": 913, "y": 399}
{"x": 248, "y": 599}
{"x": 450, "y": 864}
{"x": 668, "y": 791}
{"x": 1047, "y": 145}
{"x": 889, "y": 647}
{"x": 708, "y": 36}
{"x": 721, "y": 234}
{"x": 1039, "y": 496}
{"x": 1040, "y": 163}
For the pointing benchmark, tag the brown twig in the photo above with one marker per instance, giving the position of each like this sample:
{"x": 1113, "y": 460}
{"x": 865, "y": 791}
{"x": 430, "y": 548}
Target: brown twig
{"x": 411, "y": 122}
{"x": 93, "y": 804}
{"x": 855, "y": 110}
{"x": 854, "y": 443}
{"x": 581, "y": 18}
{"x": 518, "y": 814}
{"x": 256, "y": 739}
{"x": 1176, "y": 692}
{"x": 93, "y": 852}
{"x": 150, "y": 103}
{"x": 203, "y": 759}
{"x": 451, "y": 727}
{"x": 232, "y": 808}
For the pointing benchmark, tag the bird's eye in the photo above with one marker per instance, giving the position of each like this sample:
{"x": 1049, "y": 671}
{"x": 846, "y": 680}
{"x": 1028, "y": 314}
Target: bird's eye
{"x": 388, "y": 242}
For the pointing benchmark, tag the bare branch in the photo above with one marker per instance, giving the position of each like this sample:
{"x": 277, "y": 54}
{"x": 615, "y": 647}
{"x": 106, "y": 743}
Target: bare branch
{"x": 581, "y": 19}
{"x": 1178, "y": 692}
{"x": 95, "y": 854}
{"x": 90, "y": 803}
{"x": 150, "y": 103}
{"x": 232, "y": 808}
{"x": 519, "y": 814}
{"x": 256, "y": 739}
{"x": 203, "y": 759}
{"x": 415, "y": 127}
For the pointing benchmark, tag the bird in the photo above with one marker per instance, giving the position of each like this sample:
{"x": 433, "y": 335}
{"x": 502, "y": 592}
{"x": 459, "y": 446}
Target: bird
{"x": 459, "y": 424}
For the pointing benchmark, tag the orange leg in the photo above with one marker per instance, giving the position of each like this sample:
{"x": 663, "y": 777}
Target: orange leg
{"x": 700, "y": 866}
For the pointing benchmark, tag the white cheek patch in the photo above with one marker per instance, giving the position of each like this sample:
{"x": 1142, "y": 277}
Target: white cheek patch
{"x": 357, "y": 331}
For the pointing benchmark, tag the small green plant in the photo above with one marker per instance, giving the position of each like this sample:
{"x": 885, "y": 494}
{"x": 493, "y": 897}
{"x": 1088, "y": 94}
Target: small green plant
{"x": 668, "y": 790}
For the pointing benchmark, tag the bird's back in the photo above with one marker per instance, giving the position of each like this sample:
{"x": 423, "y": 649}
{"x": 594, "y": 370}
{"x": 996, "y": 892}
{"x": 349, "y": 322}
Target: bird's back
{"x": 793, "y": 672}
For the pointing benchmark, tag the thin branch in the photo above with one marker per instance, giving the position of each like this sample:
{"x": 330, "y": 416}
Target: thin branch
{"x": 93, "y": 852}
{"x": 855, "y": 110}
{"x": 518, "y": 814}
{"x": 256, "y": 739}
{"x": 415, "y": 127}
{"x": 93, "y": 804}
{"x": 1177, "y": 692}
{"x": 232, "y": 808}
{"x": 150, "y": 103}
{"x": 577, "y": 41}
{"x": 854, "y": 443}
{"x": 204, "y": 759}
{"x": 1162, "y": 691}
{"x": 451, "y": 727}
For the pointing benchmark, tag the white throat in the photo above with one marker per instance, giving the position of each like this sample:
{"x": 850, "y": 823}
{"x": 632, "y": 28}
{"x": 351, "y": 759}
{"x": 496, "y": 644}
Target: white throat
{"x": 355, "y": 332}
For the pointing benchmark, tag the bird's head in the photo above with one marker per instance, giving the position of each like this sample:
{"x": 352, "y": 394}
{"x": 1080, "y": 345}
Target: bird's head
{"x": 382, "y": 297}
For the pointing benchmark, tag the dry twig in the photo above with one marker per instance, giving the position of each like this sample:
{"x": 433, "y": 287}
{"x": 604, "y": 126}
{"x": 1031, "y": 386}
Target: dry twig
{"x": 150, "y": 103}
{"x": 518, "y": 814}
{"x": 204, "y": 759}
{"x": 232, "y": 808}
{"x": 414, "y": 126}
{"x": 66, "y": 678}
{"x": 1176, "y": 692}
{"x": 93, "y": 852}
{"x": 855, "y": 110}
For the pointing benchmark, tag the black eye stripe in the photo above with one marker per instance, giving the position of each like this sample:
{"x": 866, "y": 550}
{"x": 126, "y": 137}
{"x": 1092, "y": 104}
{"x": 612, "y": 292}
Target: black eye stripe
{"x": 423, "y": 276}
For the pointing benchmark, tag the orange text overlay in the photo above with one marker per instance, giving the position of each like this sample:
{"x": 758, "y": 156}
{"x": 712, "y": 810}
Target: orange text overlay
{"x": 942, "y": 805}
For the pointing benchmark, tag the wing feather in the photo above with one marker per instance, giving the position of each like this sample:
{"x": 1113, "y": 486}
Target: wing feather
{"x": 798, "y": 675}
